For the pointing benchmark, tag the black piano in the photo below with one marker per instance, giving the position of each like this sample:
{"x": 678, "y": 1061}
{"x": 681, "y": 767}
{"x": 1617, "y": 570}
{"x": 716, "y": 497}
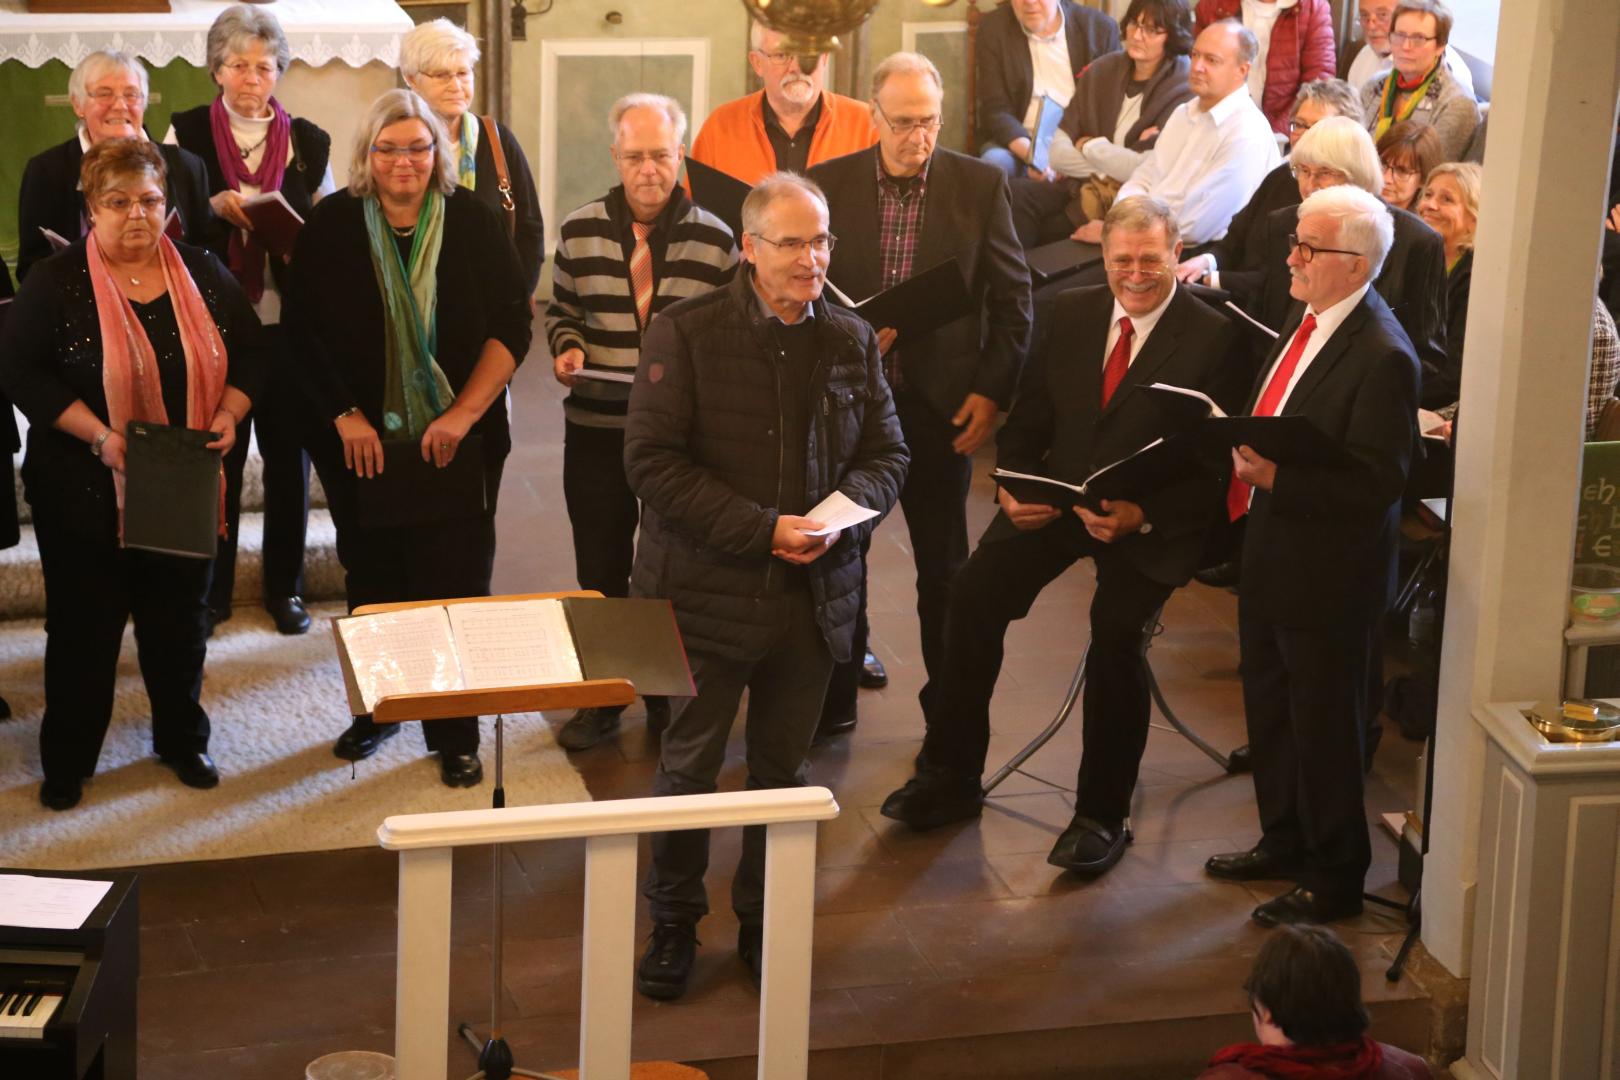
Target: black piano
{"x": 67, "y": 997}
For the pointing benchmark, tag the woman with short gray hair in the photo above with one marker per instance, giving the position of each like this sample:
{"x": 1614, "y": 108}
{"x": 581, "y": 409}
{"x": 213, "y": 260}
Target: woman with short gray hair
{"x": 439, "y": 61}
{"x": 108, "y": 91}
{"x": 251, "y": 145}
{"x": 407, "y": 314}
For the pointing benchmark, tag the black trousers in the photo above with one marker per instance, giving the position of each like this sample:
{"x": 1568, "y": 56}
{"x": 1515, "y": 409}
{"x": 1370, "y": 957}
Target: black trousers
{"x": 602, "y": 510}
{"x": 1040, "y": 211}
{"x": 999, "y": 584}
{"x": 92, "y": 588}
{"x": 784, "y": 687}
{"x": 277, "y": 415}
{"x": 439, "y": 561}
{"x": 1305, "y": 697}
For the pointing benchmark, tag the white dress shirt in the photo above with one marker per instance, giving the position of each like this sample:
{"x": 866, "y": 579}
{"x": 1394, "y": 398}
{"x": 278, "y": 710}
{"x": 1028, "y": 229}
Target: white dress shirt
{"x": 1327, "y": 321}
{"x": 1368, "y": 64}
{"x": 1260, "y": 16}
{"x": 1141, "y": 327}
{"x": 1054, "y": 71}
{"x": 1207, "y": 164}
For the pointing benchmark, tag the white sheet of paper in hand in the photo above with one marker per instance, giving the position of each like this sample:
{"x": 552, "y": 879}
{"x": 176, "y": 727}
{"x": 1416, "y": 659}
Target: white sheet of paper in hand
{"x": 48, "y": 903}
{"x": 837, "y": 512}
{"x": 605, "y": 376}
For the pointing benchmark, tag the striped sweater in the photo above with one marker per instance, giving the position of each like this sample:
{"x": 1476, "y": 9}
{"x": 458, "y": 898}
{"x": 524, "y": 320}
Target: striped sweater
{"x": 592, "y": 307}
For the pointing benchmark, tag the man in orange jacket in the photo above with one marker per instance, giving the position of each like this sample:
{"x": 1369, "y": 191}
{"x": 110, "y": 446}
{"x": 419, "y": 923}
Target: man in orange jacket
{"x": 794, "y": 124}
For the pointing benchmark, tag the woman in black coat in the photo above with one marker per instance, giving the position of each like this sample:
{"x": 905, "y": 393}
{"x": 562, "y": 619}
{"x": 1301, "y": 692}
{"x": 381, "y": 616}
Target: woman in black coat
{"x": 417, "y": 361}
{"x": 108, "y": 92}
{"x": 122, "y": 326}
{"x": 1450, "y": 206}
{"x": 438, "y": 60}
{"x": 249, "y": 144}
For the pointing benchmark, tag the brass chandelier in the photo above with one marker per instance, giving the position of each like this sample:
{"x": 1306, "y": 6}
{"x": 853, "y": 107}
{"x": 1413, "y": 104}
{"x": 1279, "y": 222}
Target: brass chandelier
{"x": 811, "y": 27}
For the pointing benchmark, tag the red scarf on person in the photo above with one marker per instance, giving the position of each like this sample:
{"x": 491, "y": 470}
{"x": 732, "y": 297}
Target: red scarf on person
{"x": 1340, "y": 1061}
{"x": 246, "y": 257}
{"x": 129, "y": 370}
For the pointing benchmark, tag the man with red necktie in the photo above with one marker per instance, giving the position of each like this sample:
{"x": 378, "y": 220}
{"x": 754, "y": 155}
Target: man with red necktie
{"x": 1078, "y": 410}
{"x": 1319, "y": 559}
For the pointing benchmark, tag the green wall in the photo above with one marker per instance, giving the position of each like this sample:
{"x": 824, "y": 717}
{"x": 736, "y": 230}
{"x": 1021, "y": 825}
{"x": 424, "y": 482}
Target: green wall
{"x": 28, "y": 125}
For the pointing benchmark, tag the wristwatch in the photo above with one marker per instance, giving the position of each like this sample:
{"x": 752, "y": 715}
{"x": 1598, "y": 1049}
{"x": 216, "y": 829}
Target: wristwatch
{"x": 100, "y": 441}
{"x": 350, "y": 411}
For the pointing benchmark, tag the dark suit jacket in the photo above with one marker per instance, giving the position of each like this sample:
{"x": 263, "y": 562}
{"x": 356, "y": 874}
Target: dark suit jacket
{"x": 1006, "y": 76}
{"x": 966, "y": 216}
{"x": 1240, "y": 255}
{"x": 1056, "y": 429}
{"x": 50, "y": 198}
{"x": 1412, "y": 283}
{"x": 1320, "y": 547}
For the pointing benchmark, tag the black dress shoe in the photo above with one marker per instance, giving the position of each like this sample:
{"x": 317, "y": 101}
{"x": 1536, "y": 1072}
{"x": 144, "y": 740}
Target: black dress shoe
{"x": 289, "y": 614}
{"x": 460, "y": 770}
{"x": 61, "y": 794}
{"x": 1240, "y": 760}
{"x": 931, "y": 799}
{"x": 834, "y": 725}
{"x": 751, "y": 951}
{"x": 1301, "y": 905}
{"x": 657, "y": 714}
{"x": 1252, "y": 865}
{"x": 1088, "y": 847}
{"x": 1220, "y": 576}
{"x": 194, "y": 768}
{"x": 363, "y": 738}
{"x": 873, "y": 675}
{"x": 666, "y": 966}
{"x": 217, "y": 615}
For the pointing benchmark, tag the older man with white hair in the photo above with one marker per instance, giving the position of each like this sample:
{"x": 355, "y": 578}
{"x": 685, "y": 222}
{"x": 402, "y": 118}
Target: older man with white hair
{"x": 109, "y": 92}
{"x": 1319, "y": 558}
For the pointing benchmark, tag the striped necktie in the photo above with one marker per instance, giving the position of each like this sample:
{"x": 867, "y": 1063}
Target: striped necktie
{"x": 641, "y": 275}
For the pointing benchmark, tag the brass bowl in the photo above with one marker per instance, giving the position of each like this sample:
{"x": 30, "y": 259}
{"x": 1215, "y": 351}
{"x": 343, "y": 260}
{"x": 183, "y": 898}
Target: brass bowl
{"x": 1577, "y": 720}
{"x": 810, "y": 27}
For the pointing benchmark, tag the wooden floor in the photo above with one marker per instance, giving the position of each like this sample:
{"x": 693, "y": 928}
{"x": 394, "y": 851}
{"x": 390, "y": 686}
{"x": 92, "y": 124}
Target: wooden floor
{"x": 953, "y": 953}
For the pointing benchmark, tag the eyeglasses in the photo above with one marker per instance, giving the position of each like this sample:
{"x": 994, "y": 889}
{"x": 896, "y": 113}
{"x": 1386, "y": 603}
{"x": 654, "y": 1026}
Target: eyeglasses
{"x": 1308, "y": 251}
{"x": 636, "y": 158}
{"x": 1400, "y": 172}
{"x": 1411, "y": 40}
{"x": 929, "y": 124}
{"x": 464, "y": 75}
{"x": 1146, "y": 267}
{"x": 1142, "y": 29}
{"x": 1311, "y": 174}
{"x": 1297, "y": 126}
{"x": 131, "y": 97}
{"x": 150, "y": 205}
{"x": 793, "y": 245}
{"x": 241, "y": 69}
{"x": 400, "y": 153}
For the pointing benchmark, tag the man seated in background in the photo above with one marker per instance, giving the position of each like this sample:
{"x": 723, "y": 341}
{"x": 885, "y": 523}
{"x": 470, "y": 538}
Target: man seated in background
{"x": 1027, "y": 49}
{"x": 1081, "y": 407}
{"x": 790, "y": 125}
{"x": 621, "y": 260}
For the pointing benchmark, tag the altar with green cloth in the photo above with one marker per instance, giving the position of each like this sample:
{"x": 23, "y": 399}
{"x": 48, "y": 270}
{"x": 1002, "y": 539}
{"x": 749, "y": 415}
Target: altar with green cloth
{"x": 344, "y": 55}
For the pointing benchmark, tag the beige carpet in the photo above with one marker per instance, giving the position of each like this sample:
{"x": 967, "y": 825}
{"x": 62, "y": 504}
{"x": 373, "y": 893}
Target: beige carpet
{"x": 276, "y": 704}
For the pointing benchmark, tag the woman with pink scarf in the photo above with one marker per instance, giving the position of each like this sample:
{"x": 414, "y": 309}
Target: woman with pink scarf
{"x": 123, "y": 325}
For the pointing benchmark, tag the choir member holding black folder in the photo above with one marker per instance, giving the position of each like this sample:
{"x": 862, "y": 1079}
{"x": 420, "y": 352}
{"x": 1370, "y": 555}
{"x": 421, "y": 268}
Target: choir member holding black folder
{"x": 408, "y": 314}
{"x": 1081, "y": 407}
{"x": 123, "y": 327}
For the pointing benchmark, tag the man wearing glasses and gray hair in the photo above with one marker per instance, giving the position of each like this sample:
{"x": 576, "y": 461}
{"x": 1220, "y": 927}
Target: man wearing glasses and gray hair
{"x": 903, "y": 207}
{"x": 753, "y": 403}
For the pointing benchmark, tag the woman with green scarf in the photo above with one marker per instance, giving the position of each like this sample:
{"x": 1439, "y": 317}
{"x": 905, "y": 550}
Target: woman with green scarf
{"x": 408, "y": 315}
{"x": 1419, "y": 87}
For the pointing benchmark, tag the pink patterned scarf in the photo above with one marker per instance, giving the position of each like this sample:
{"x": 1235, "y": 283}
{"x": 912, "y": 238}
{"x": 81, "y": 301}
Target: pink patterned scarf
{"x": 129, "y": 371}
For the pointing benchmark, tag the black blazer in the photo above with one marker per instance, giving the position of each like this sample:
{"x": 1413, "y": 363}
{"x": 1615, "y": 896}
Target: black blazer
{"x": 1006, "y": 75}
{"x": 1055, "y": 428}
{"x": 966, "y": 216}
{"x": 1320, "y": 547}
{"x": 10, "y": 437}
{"x": 1412, "y": 283}
{"x": 1240, "y": 255}
{"x": 50, "y": 198}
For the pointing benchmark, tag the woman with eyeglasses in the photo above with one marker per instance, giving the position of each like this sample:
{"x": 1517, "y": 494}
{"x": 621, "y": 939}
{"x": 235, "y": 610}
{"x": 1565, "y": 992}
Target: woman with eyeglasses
{"x": 124, "y": 325}
{"x": 438, "y": 60}
{"x": 1120, "y": 102}
{"x": 408, "y": 314}
{"x": 1421, "y": 88}
{"x": 1407, "y": 153}
{"x": 108, "y": 91}
{"x": 251, "y": 145}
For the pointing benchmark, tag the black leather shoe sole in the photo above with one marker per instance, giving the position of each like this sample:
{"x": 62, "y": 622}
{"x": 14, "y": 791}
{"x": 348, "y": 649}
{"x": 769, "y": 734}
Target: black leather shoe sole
{"x": 352, "y": 747}
{"x": 195, "y": 770}
{"x": 1301, "y": 905}
{"x": 1251, "y": 865}
{"x": 460, "y": 770}
{"x": 1088, "y": 849}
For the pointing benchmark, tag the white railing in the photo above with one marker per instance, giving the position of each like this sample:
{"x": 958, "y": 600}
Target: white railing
{"x": 424, "y": 843}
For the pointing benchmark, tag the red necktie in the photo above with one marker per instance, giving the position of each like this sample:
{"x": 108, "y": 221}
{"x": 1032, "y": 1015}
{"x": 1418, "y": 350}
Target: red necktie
{"x": 1237, "y": 495}
{"x": 1118, "y": 361}
{"x": 641, "y": 275}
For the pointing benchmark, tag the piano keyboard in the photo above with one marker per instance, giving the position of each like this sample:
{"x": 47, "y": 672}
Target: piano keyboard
{"x": 24, "y": 1013}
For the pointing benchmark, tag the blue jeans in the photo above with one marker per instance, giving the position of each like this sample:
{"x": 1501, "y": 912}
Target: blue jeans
{"x": 1003, "y": 159}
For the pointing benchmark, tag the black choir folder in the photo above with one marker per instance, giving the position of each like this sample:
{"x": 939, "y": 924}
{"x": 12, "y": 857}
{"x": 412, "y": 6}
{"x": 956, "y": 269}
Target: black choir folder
{"x": 1060, "y": 258}
{"x": 1156, "y": 465}
{"x": 721, "y": 194}
{"x": 1283, "y": 439}
{"x": 918, "y": 305}
{"x": 410, "y": 491}
{"x": 500, "y": 644}
{"x": 171, "y": 490}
